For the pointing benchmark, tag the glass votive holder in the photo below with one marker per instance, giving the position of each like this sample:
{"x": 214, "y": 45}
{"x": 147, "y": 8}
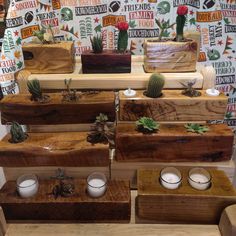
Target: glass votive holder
{"x": 199, "y": 178}
{"x": 96, "y": 184}
{"x": 170, "y": 178}
{"x": 27, "y": 185}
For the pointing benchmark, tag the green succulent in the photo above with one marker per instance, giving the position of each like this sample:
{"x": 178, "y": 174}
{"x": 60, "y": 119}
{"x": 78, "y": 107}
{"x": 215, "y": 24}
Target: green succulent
{"x": 35, "y": 89}
{"x": 164, "y": 26}
{"x": 17, "y": 133}
{"x": 196, "y": 128}
{"x": 147, "y": 125}
{"x": 101, "y": 118}
{"x": 97, "y": 44}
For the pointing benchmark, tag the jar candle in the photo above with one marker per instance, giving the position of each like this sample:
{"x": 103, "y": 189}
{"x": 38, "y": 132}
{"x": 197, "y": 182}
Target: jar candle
{"x": 199, "y": 178}
{"x": 170, "y": 178}
{"x": 27, "y": 185}
{"x": 96, "y": 184}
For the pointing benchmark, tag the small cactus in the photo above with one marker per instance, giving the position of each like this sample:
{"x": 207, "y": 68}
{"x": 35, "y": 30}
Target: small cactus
{"x": 155, "y": 86}
{"x": 97, "y": 44}
{"x": 17, "y": 133}
{"x": 122, "y": 43}
{"x": 147, "y": 125}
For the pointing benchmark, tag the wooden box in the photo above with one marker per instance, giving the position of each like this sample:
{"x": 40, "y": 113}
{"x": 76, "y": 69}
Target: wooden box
{"x": 58, "y": 58}
{"x": 170, "y": 56}
{"x": 114, "y": 206}
{"x": 20, "y": 108}
{"x": 173, "y": 143}
{"x": 53, "y": 149}
{"x": 106, "y": 62}
{"x": 172, "y": 106}
{"x": 156, "y": 204}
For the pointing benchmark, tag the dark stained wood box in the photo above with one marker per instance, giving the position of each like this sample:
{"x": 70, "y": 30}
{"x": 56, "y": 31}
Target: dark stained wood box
{"x": 172, "y": 106}
{"x": 114, "y": 206}
{"x": 53, "y": 149}
{"x": 185, "y": 205}
{"x": 20, "y": 108}
{"x": 173, "y": 143}
{"x": 106, "y": 62}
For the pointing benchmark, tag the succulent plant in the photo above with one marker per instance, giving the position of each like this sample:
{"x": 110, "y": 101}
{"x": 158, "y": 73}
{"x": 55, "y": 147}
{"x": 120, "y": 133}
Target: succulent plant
{"x": 45, "y": 34}
{"x": 102, "y": 131}
{"x": 17, "y": 133}
{"x": 97, "y": 44}
{"x": 164, "y": 26}
{"x": 196, "y": 128}
{"x": 68, "y": 94}
{"x": 155, "y": 86}
{"x": 63, "y": 189}
{"x": 189, "y": 90}
{"x": 147, "y": 125}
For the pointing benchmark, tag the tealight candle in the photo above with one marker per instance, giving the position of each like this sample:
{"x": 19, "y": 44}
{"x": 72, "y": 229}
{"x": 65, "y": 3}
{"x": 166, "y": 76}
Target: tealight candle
{"x": 129, "y": 92}
{"x": 199, "y": 178}
{"x": 27, "y": 185}
{"x": 170, "y": 178}
{"x": 96, "y": 184}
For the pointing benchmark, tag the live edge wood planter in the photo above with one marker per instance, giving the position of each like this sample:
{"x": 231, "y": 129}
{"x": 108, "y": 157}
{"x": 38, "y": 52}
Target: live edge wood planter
{"x": 173, "y": 143}
{"x": 156, "y": 204}
{"x": 114, "y": 206}
{"x": 106, "y": 62}
{"x": 170, "y": 56}
{"x": 57, "y": 58}
{"x": 20, "y": 108}
{"x": 53, "y": 149}
{"x": 172, "y": 106}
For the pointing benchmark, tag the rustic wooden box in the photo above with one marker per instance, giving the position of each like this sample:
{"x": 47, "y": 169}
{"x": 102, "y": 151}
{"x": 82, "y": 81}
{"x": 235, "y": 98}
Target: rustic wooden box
{"x": 114, "y": 206}
{"x": 172, "y": 106}
{"x": 170, "y": 56}
{"x": 57, "y": 58}
{"x": 106, "y": 62}
{"x": 53, "y": 149}
{"x": 20, "y": 108}
{"x": 173, "y": 143}
{"x": 155, "y": 204}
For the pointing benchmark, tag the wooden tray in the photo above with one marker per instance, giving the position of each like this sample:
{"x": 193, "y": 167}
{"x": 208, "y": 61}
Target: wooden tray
{"x": 155, "y": 204}
{"x": 114, "y": 206}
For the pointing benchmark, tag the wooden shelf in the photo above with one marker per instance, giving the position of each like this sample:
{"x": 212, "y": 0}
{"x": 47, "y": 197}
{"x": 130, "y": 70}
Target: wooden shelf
{"x": 20, "y": 108}
{"x": 186, "y": 205}
{"x": 172, "y": 106}
{"x": 53, "y": 149}
{"x": 172, "y": 143}
{"x": 114, "y": 206}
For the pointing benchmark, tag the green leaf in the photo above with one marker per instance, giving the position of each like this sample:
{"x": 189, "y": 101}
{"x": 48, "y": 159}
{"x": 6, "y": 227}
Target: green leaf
{"x": 98, "y": 28}
{"x": 132, "y": 24}
{"x": 165, "y": 33}
{"x": 18, "y": 41}
{"x": 226, "y": 20}
{"x": 192, "y": 21}
{"x": 19, "y": 65}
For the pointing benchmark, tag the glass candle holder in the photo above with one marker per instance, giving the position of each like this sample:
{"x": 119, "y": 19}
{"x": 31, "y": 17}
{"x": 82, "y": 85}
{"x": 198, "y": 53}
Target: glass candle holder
{"x": 96, "y": 184}
{"x": 199, "y": 178}
{"x": 27, "y": 185}
{"x": 170, "y": 178}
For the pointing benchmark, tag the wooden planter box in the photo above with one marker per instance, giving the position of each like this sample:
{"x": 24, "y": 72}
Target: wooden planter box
{"x": 172, "y": 106}
{"x": 53, "y": 149}
{"x": 58, "y": 58}
{"x": 106, "y": 62}
{"x": 172, "y": 143}
{"x": 170, "y": 56}
{"x": 20, "y": 108}
{"x": 185, "y": 205}
{"x": 114, "y": 206}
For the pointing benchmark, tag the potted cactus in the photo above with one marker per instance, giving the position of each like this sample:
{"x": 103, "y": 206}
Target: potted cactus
{"x": 108, "y": 61}
{"x": 17, "y": 133}
{"x": 155, "y": 86}
{"x": 171, "y": 55}
{"x": 46, "y": 56}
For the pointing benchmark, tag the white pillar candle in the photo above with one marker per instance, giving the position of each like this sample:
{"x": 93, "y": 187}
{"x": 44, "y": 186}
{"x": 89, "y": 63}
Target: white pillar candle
{"x": 96, "y": 184}
{"x": 199, "y": 178}
{"x": 27, "y": 185}
{"x": 170, "y": 178}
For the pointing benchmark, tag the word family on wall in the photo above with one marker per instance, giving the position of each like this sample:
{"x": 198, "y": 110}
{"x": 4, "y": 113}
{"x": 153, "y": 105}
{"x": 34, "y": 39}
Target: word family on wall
{"x": 78, "y": 20}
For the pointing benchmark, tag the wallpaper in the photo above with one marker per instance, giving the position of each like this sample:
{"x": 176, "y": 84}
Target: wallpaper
{"x": 78, "y": 20}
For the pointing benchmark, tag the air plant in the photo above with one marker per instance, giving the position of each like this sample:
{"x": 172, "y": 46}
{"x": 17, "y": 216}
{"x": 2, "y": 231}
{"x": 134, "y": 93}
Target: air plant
{"x": 196, "y": 128}
{"x": 147, "y": 125}
{"x": 17, "y": 133}
{"x": 102, "y": 131}
{"x": 189, "y": 90}
{"x": 68, "y": 94}
{"x": 45, "y": 34}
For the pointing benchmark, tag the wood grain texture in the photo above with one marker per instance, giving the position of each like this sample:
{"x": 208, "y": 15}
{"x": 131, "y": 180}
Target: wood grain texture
{"x": 106, "y": 62}
{"x": 172, "y": 106}
{"x": 53, "y": 149}
{"x": 20, "y": 108}
{"x": 50, "y": 58}
{"x": 172, "y": 143}
{"x": 170, "y": 56}
{"x": 113, "y": 206}
{"x": 185, "y": 204}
